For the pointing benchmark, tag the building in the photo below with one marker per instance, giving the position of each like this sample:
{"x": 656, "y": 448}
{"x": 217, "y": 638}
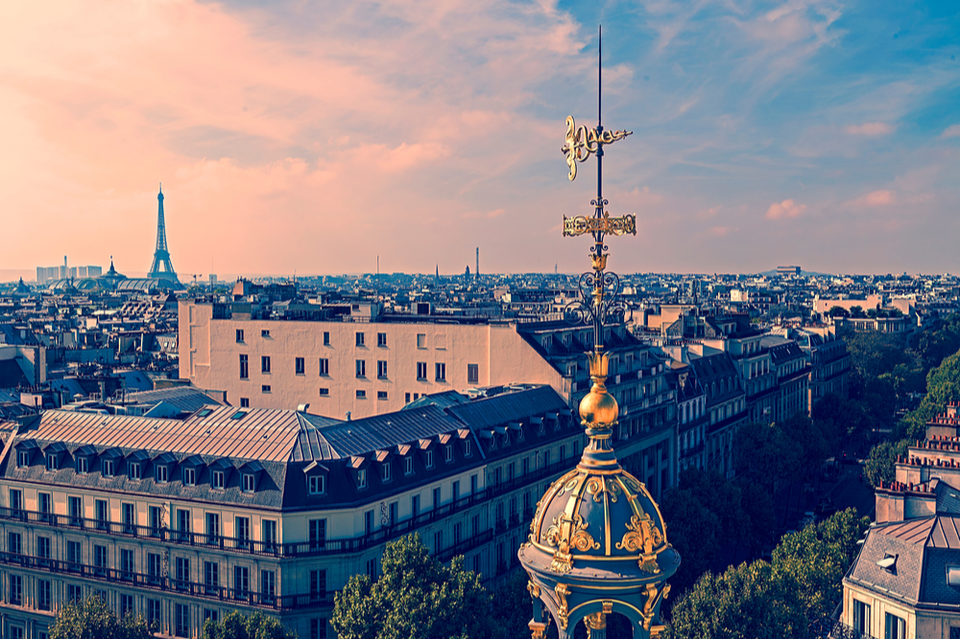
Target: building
{"x": 184, "y": 519}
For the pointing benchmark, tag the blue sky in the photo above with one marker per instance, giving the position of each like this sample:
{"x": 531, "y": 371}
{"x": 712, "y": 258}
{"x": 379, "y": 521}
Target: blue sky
{"x": 316, "y": 136}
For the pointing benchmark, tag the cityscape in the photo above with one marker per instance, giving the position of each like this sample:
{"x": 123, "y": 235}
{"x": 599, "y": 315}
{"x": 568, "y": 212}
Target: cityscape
{"x": 732, "y": 409}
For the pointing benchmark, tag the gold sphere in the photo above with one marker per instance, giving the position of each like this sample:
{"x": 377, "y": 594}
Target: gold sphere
{"x": 599, "y": 407}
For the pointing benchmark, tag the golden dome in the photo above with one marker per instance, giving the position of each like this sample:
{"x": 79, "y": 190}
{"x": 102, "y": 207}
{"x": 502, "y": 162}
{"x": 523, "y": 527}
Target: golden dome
{"x": 599, "y": 406}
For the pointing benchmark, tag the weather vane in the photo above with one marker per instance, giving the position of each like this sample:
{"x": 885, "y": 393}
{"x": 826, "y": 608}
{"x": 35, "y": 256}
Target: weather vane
{"x": 598, "y": 288}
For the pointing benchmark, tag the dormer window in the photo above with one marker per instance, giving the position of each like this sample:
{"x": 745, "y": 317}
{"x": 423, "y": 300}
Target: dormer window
{"x": 82, "y": 465}
{"x": 23, "y": 458}
{"x": 216, "y": 480}
{"x": 387, "y": 472}
{"x": 133, "y": 470}
{"x": 189, "y": 476}
{"x": 448, "y": 453}
{"x": 361, "y": 478}
{"x": 317, "y": 485}
{"x": 408, "y": 465}
{"x": 429, "y": 457}
{"x": 53, "y": 461}
{"x": 249, "y": 483}
{"x": 160, "y": 474}
{"x": 468, "y": 448}
{"x": 106, "y": 468}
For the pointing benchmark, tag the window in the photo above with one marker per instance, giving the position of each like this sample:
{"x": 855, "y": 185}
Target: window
{"x": 324, "y": 391}
{"x": 317, "y": 485}
{"x": 249, "y": 482}
{"x": 43, "y": 547}
{"x": 268, "y": 585}
{"x": 216, "y": 479}
{"x": 265, "y": 364}
{"x": 861, "y": 617}
{"x": 441, "y": 370}
{"x": 156, "y": 520}
{"x": 16, "y": 590}
{"x": 244, "y": 403}
{"x": 242, "y": 531}
{"x": 45, "y": 502}
{"x": 421, "y": 341}
{"x": 318, "y": 627}
{"x": 264, "y": 333}
{"x": 436, "y": 497}
{"x": 99, "y": 558}
{"x": 318, "y": 586}
{"x": 241, "y": 581}
{"x": 406, "y": 397}
{"x": 211, "y": 614}
{"x": 153, "y": 612}
{"x": 473, "y": 373}
{"x": 381, "y": 339}
{"x": 429, "y": 459}
{"x": 240, "y": 335}
{"x": 189, "y": 476}
{"x": 211, "y": 576}
{"x": 264, "y": 388}
{"x": 126, "y": 604}
{"x": 14, "y": 543}
{"x": 468, "y": 449}
{"x": 421, "y": 371}
{"x": 100, "y": 508}
{"x": 361, "y": 368}
{"x": 126, "y": 563}
{"x": 381, "y": 368}
{"x": 318, "y": 534}
{"x": 74, "y": 510}
{"x": 213, "y": 528}
{"x": 408, "y": 465}
{"x": 182, "y": 620}
{"x": 361, "y": 478}
{"x": 268, "y": 535}
{"x": 387, "y": 471}
{"x": 326, "y": 338}
{"x": 361, "y": 393}
{"x": 415, "y": 505}
{"x": 23, "y": 458}
{"x": 360, "y": 339}
{"x": 74, "y": 593}
{"x": 161, "y": 473}
{"x": 324, "y": 367}
{"x": 16, "y": 500}
{"x": 133, "y": 470}
{"x": 372, "y": 569}
{"x": 153, "y": 566}
{"x": 244, "y": 366}
{"x": 183, "y": 524}
{"x": 300, "y": 366}
{"x": 127, "y": 513}
{"x": 894, "y": 626}
{"x": 437, "y": 541}
{"x": 448, "y": 453}
{"x": 381, "y": 395}
{"x": 53, "y": 461}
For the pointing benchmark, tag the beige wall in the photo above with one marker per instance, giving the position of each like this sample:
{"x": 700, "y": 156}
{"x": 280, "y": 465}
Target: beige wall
{"x": 210, "y": 357}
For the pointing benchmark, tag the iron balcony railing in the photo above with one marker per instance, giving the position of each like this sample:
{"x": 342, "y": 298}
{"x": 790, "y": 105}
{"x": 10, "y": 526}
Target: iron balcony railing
{"x": 286, "y": 549}
{"x": 166, "y": 583}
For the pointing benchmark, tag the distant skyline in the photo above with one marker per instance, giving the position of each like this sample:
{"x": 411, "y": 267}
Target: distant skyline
{"x": 313, "y": 137}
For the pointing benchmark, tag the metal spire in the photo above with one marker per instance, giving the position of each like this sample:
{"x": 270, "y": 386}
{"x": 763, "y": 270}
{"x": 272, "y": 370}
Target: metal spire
{"x": 162, "y": 267}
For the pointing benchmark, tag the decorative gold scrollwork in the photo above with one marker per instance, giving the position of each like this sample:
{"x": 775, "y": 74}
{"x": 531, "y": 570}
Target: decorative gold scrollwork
{"x": 579, "y": 225}
{"x": 596, "y": 487}
{"x": 649, "y": 607}
{"x": 580, "y": 143}
{"x": 533, "y": 588}
{"x": 643, "y": 536}
{"x": 565, "y": 534}
{"x": 563, "y": 610}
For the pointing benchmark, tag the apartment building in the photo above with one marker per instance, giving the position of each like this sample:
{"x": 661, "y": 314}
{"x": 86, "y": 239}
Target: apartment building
{"x": 250, "y": 509}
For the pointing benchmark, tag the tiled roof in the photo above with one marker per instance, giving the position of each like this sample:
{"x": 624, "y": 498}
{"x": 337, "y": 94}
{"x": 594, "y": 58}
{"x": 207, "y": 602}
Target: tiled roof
{"x": 183, "y": 398}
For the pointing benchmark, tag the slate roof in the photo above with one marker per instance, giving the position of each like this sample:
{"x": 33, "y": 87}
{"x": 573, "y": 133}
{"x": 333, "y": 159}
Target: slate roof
{"x": 184, "y": 398}
{"x": 923, "y": 548}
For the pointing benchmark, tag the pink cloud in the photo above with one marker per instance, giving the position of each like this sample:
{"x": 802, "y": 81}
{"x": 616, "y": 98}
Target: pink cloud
{"x": 951, "y": 132}
{"x": 870, "y": 129}
{"x": 721, "y": 232}
{"x": 785, "y": 209}
{"x": 880, "y": 198}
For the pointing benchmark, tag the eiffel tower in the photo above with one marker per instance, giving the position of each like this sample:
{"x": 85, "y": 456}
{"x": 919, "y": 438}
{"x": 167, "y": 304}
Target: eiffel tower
{"x": 162, "y": 267}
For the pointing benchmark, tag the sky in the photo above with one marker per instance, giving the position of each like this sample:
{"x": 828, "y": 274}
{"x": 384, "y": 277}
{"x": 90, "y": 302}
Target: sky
{"x": 296, "y": 137}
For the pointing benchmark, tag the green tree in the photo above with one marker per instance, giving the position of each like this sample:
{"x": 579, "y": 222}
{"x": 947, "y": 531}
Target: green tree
{"x": 743, "y": 602}
{"x": 881, "y": 465}
{"x": 811, "y": 563}
{"x": 943, "y": 386}
{"x": 764, "y": 456}
{"x": 92, "y": 618}
{"x": 856, "y": 311}
{"x": 415, "y": 597}
{"x": 836, "y": 311}
{"x": 237, "y": 625}
{"x": 694, "y": 530}
{"x": 513, "y": 608}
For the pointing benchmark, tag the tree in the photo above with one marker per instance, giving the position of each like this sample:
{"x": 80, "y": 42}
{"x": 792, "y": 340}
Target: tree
{"x": 513, "y": 608}
{"x": 694, "y": 530}
{"x": 237, "y": 625}
{"x": 92, "y": 618}
{"x": 415, "y": 597}
{"x": 943, "y": 386}
{"x": 765, "y": 456}
{"x": 836, "y": 311}
{"x": 856, "y": 311}
{"x": 743, "y": 602}
{"x": 881, "y": 465}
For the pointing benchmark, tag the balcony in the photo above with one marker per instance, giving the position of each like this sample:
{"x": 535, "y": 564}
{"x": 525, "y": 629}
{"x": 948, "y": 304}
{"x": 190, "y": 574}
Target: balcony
{"x": 163, "y": 583}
